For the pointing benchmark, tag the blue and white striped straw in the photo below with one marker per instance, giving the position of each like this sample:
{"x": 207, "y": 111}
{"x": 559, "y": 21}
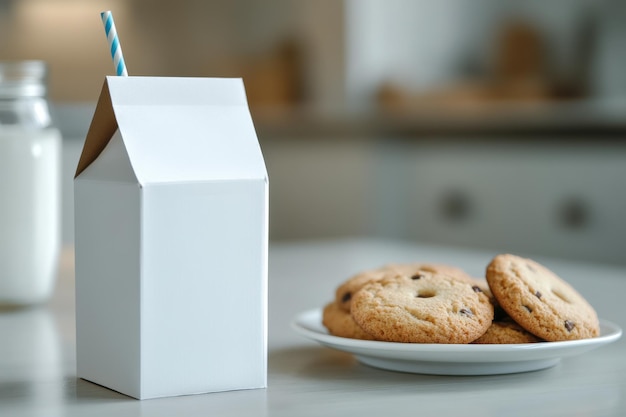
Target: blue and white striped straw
{"x": 114, "y": 43}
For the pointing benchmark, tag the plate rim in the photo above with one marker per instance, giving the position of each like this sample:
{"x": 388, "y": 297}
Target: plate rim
{"x": 614, "y": 333}
{"x": 452, "y": 359}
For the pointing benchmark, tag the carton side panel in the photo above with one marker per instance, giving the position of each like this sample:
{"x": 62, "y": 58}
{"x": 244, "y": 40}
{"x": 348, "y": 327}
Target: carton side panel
{"x": 204, "y": 287}
{"x": 107, "y": 284}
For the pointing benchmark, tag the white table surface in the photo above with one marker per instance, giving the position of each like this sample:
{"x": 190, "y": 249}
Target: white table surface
{"x": 38, "y": 371}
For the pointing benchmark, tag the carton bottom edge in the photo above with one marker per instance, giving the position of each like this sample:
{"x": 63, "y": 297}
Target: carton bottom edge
{"x": 151, "y": 397}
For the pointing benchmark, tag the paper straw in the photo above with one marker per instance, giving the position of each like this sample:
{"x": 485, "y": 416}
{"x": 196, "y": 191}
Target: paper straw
{"x": 114, "y": 43}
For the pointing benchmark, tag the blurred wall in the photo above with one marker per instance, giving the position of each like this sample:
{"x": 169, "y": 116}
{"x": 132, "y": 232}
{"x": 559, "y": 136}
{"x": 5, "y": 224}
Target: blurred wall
{"x": 323, "y": 53}
{"x": 267, "y": 42}
{"x": 425, "y": 45}
{"x": 477, "y": 123}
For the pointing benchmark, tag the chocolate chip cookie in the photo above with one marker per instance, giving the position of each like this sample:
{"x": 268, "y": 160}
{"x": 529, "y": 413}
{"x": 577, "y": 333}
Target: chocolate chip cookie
{"x": 422, "y": 308}
{"x": 506, "y": 331}
{"x": 344, "y": 293}
{"x": 340, "y": 323}
{"x": 539, "y": 300}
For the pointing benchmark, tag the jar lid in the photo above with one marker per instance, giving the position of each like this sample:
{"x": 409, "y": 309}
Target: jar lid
{"x": 23, "y": 79}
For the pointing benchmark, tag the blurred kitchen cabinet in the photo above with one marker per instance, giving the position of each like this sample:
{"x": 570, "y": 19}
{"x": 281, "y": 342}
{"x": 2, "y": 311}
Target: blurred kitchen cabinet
{"x": 541, "y": 198}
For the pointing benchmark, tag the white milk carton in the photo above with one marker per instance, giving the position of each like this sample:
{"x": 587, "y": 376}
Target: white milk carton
{"x": 171, "y": 219}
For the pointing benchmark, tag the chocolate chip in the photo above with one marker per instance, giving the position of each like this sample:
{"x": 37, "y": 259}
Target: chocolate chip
{"x": 569, "y": 325}
{"x": 530, "y": 310}
{"x": 466, "y": 312}
{"x": 417, "y": 276}
{"x": 346, "y": 297}
{"x": 538, "y": 294}
{"x": 476, "y": 288}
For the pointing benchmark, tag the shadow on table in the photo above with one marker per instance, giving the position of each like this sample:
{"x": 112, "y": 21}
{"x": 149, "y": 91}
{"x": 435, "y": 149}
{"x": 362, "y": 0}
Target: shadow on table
{"x": 342, "y": 369}
{"x": 79, "y": 390}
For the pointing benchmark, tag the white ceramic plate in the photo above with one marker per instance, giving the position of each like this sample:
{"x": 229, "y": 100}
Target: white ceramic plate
{"x": 451, "y": 359}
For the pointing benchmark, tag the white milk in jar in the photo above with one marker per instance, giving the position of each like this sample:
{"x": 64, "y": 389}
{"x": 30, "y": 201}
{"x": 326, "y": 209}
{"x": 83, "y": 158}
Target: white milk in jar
{"x": 29, "y": 186}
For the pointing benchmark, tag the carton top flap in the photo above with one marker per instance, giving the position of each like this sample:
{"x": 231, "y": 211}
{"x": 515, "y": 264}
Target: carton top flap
{"x": 103, "y": 126}
{"x": 112, "y": 164}
{"x": 178, "y": 129}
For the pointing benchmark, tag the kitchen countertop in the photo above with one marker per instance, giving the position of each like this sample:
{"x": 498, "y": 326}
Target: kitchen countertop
{"x": 529, "y": 122}
{"x": 38, "y": 370}
{"x": 576, "y": 120}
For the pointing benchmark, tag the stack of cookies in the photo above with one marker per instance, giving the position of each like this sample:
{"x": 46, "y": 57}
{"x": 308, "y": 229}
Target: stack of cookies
{"x": 520, "y": 301}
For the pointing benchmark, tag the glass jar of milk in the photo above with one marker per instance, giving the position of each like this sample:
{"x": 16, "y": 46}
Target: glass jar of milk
{"x": 30, "y": 158}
